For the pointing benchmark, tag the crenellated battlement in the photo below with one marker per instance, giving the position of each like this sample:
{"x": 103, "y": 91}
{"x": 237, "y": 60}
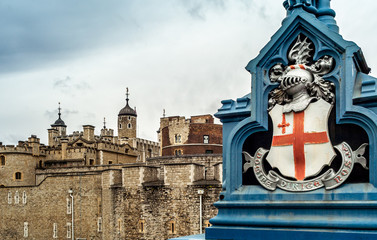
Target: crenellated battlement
{"x": 19, "y": 149}
{"x": 15, "y": 149}
{"x": 147, "y": 142}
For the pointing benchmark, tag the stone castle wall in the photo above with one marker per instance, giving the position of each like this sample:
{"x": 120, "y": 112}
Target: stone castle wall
{"x": 21, "y": 163}
{"x": 43, "y": 206}
{"x": 163, "y": 206}
{"x": 134, "y": 201}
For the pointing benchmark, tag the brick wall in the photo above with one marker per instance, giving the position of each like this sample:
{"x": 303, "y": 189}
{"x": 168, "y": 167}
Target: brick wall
{"x": 190, "y": 134}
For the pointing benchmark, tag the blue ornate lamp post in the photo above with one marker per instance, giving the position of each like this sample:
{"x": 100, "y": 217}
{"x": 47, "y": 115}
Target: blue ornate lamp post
{"x": 299, "y": 151}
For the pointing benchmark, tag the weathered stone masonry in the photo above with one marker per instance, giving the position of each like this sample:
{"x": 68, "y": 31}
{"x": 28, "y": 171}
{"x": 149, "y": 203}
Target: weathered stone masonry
{"x": 121, "y": 197}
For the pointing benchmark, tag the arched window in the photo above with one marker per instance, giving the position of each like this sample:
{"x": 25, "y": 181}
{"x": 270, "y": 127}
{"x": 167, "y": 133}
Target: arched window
{"x": 18, "y": 175}
{"x": 2, "y": 160}
{"x": 177, "y": 138}
{"x": 178, "y": 152}
{"x": 205, "y": 139}
{"x": 129, "y": 125}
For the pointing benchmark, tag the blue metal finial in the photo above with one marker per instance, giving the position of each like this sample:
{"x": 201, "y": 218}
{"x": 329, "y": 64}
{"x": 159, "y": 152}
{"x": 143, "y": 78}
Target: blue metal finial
{"x": 320, "y": 8}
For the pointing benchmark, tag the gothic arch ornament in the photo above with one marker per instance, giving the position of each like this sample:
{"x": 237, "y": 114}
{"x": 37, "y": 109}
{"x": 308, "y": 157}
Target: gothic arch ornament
{"x": 299, "y": 108}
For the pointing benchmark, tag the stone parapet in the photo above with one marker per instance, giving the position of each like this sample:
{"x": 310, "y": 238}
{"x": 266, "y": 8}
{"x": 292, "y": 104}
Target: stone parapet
{"x": 137, "y": 175}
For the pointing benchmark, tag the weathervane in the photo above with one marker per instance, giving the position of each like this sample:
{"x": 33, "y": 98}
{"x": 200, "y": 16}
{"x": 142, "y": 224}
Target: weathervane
{"x": 127, "y": 95}
{"x": 59, "y": 110}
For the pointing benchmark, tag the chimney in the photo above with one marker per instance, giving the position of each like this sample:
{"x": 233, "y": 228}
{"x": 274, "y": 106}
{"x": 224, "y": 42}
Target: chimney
{"x": 89, "y": 132}
{"x": 52, "y": 134}
{"x": 64, "y": 148}
{"x": 34, "y": 144}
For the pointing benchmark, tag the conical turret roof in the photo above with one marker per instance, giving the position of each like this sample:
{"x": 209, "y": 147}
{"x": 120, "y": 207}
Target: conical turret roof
{"x": 59, "y": 122}
{"x": 127, "y": 110}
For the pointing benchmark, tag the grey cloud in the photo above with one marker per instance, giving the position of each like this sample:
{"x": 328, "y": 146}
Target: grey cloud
{"x": 90, "y": 115}
{"x": 263, "y": 12}
{"x": 70, "y": 112}
{"x": 198, "y": 9}
{"x": 12, "y": 138}
{"x": 65, "y": 113}
{"x": 46, "y": 32}
{"x": 68, "y": 86}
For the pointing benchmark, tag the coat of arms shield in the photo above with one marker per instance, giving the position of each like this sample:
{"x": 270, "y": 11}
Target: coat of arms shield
{"x": 300, "y": 108}
{"x": 301, "y": 146}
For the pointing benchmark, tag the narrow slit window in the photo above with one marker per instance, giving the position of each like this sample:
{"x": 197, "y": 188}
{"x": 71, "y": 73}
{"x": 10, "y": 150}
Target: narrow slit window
{"x": 172, "y": 227}
{"x": 99, "y": 224}
{"x": 119, "y": 226}
{"x": 9, "y": 198}
{"x": 142, "y": 226}
{"x": 55, "y": 230}
{"x": 69, "y": 207}
{"x": 69, "y": 230}
{"x": 16, "y": 198}
{"x": 24, "y": 197}
{"x": 26, "y": 229}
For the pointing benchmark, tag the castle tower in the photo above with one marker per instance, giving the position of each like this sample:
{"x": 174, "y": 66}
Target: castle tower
{"x": 57, "y": 129}
{"x": 127, "y": 121}
{"x": 106, "y": 133}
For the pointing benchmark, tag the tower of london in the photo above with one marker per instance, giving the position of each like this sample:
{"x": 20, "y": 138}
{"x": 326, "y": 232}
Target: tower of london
{"x": 86, "y": 186}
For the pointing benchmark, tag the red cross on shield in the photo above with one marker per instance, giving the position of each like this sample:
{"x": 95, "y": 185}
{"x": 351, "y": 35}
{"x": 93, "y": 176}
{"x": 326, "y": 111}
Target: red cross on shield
{"x": 301, "y": 145}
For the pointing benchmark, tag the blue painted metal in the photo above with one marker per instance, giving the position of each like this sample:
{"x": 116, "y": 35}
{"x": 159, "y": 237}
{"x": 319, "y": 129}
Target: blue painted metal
{"x": 251, "y": 211}
{"x": 319, "y": 8}
{"x": 347, "y": 212}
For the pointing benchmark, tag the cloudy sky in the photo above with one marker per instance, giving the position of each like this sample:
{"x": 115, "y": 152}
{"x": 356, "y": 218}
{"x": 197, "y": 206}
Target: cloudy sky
{"x": 184, "y": 56}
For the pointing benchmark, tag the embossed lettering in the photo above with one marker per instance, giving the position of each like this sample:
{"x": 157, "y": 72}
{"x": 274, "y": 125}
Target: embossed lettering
{"x": 309, "y": 185}
{"x": 283, "y": 183}
{"x": 344, "y": 172}
{"x": 348, "y": 164}
{"x": 338, "y": 179}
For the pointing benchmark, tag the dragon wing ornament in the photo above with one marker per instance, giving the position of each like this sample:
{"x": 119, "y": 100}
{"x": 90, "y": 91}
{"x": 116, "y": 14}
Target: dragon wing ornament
{"x": 300, "y": 52}
{"x": 301, "y": 72}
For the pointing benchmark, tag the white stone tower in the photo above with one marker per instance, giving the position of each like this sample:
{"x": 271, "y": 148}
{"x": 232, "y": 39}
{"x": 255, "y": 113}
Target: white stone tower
{"x": 127, "y": 121}
{"x": 58, "y": 129}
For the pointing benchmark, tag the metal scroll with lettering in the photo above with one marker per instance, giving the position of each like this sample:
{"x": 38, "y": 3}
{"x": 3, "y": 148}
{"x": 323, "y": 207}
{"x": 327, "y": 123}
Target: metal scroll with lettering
{"x": 299, "y": 108}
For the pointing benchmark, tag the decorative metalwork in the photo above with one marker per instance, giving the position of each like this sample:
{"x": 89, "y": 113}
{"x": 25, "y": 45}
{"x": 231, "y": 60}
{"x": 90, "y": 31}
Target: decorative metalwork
{"x": 301, "y": 83}
{"x": 299, "y": 108}
{"x": 330, "y": 179}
